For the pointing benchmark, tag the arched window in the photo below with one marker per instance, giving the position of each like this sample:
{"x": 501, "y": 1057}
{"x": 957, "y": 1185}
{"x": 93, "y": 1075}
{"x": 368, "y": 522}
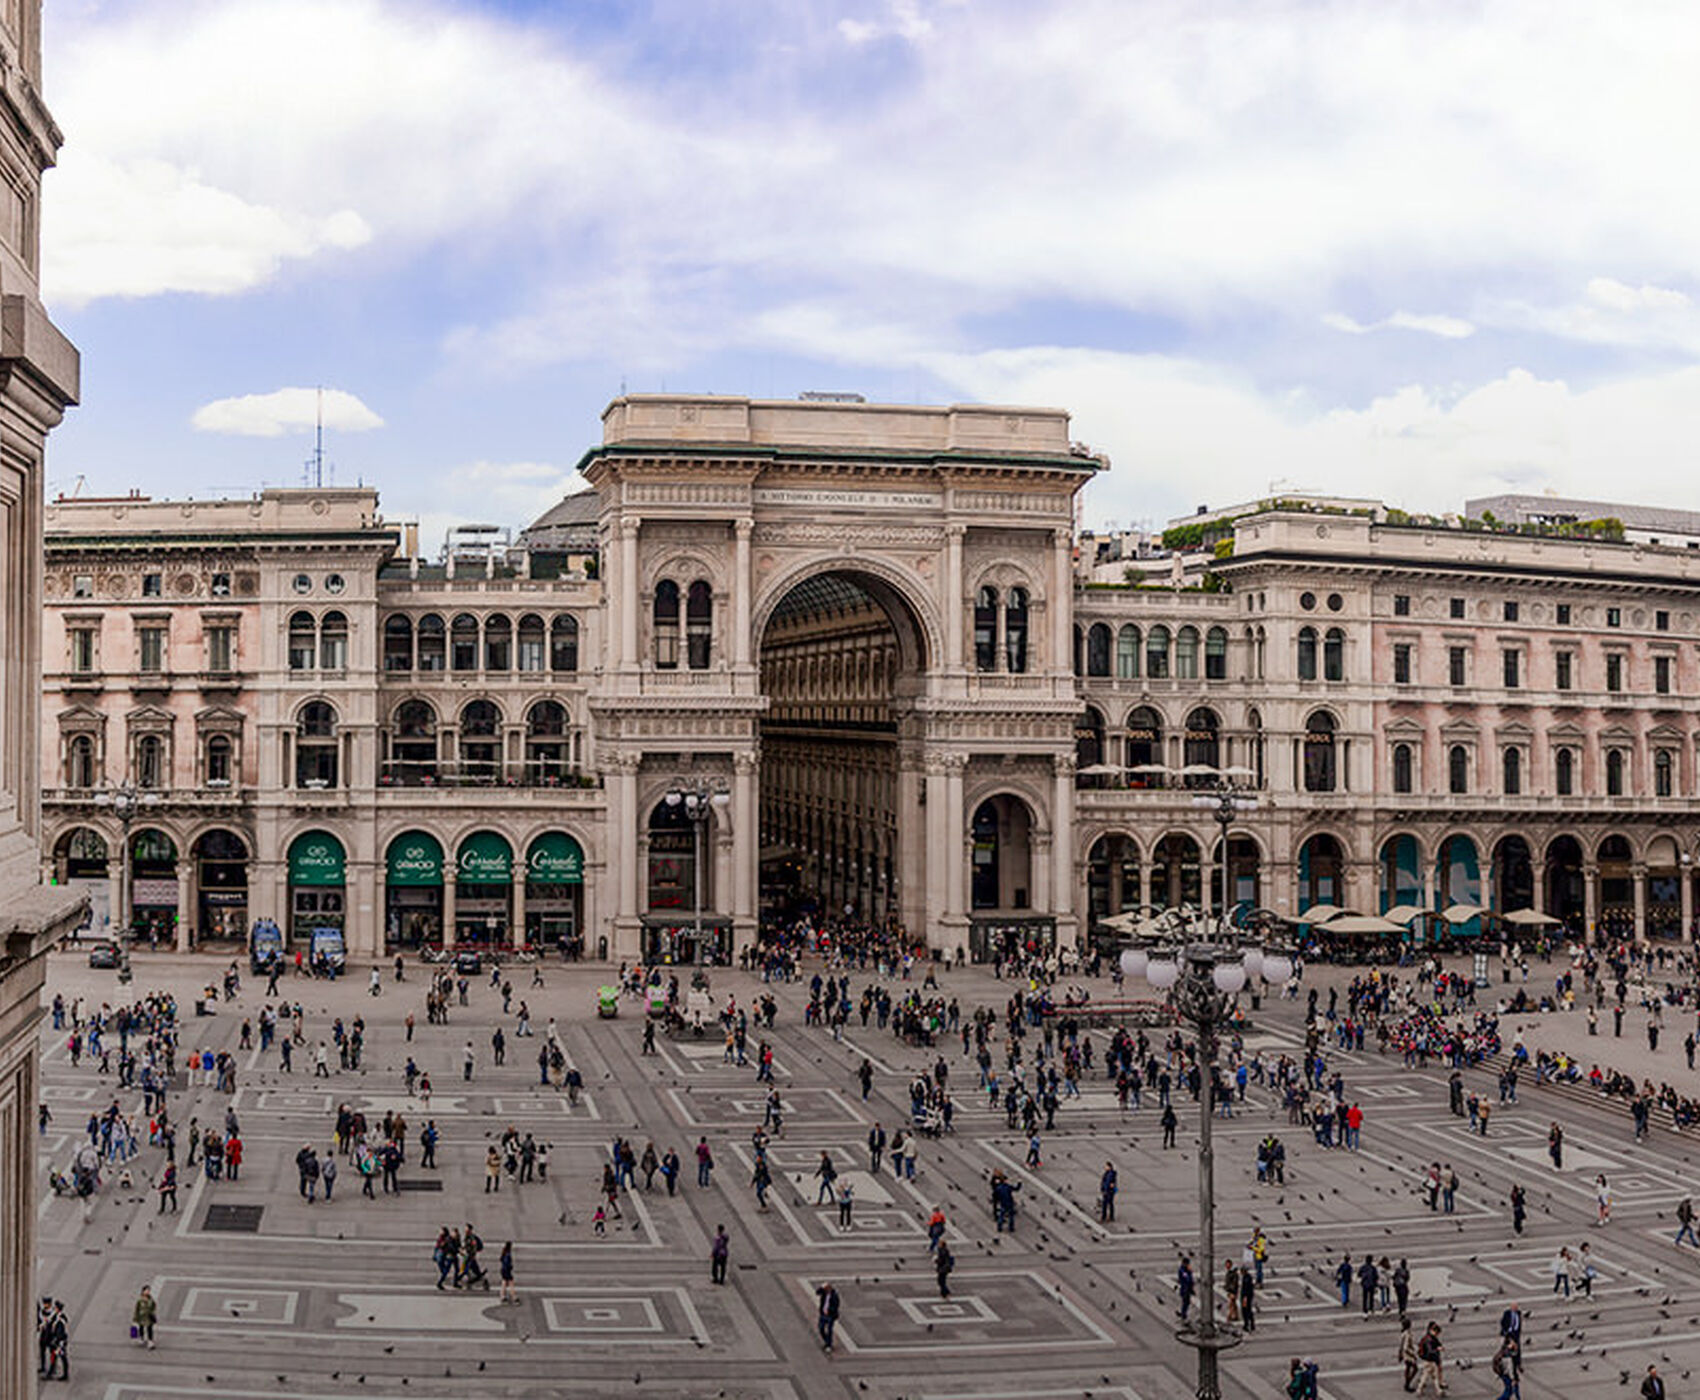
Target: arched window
{"x": 480, "y": 741}
{"x": 1614, "y": 772}
{"x": 1402, "y": 776}
{"x": 333, "y": 642}
{"x": 1186, "y": 654}
{"x": 986, "y": 630}
{"x": 1202, "y": 745}
{"x": 666, "y": 615}
{"x": 1334, "y": 655}
{"x": 1079, "y": 650}
{"x": 1457, "y": 769}
{"x": 1564, "y": 773}
{"x": 498, "y": 643}
{"x": 432, "y": 643}
{"x": 1157, "y": 653}
{"x": 150, "y": 761}
{"x": 79, "y": 770}
{"x": 1098, "y": 650}
{"x": 533, "y": 639}
{"x": 1015, "y": 632}
{"x": 699, "y": 624}
{"x": 1307, "y": 653}
{"x": 463, "y": 643}
{"x": 1127, "y": 652}
{"x": 398, "y": 643}
{"x": 1664, "y": 774}
{"x": 1144, "y": 747}
{"x": 220, "y": 753}
{"x": 1216, "y": 654}
{"x": 547, "y": 743}
{"x": 1254, "y": 724}
{"x": 316, "y": 746}
{"x": 1319, "y": 769}
{"x": 1512, "y": 762}
{"x": 303, "y": 641}
{"x": 563, "y": 643}
{"x": 413, "y": 747}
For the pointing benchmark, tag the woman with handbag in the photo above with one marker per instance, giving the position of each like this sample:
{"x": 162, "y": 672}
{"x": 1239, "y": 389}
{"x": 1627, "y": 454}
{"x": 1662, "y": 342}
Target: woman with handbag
{"x": 142, "y": 1319}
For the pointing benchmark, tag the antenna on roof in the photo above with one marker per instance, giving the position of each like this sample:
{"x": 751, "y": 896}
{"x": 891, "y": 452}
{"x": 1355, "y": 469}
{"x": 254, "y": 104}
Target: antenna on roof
{"x": 314, "y": 472}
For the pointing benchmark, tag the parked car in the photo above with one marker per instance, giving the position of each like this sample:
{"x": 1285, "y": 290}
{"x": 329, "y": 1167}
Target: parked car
{"x": 104, "y": 954}
{"x": 469, "y": 962}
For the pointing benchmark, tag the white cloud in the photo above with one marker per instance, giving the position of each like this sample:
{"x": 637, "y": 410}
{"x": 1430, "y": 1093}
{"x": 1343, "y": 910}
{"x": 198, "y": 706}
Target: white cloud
{"x": 905, "y": 21}
{"x": 285, "y": 410}
{"x": 1446, "y": 327}
{"x": 1613, "y": 313}
{"x": 1180, "y": 433}
{"x": 1620, "y": 296}
{"x": 142, "y": 227}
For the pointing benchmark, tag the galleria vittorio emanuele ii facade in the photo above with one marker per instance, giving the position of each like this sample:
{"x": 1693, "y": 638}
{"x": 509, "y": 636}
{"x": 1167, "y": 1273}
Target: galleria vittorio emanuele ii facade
{"x": 854, "y": 654}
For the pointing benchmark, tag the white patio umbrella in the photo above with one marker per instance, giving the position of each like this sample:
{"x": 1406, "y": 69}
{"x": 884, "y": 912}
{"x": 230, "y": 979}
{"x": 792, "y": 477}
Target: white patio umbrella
{"x": 1461, "y": 913}
{"x": 1402, "y": 914}
{"x": 1531, "y": 918}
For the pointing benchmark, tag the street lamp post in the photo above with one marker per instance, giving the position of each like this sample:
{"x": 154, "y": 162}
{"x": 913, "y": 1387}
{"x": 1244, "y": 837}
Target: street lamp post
{"x": 1203, "y": 975}
{"x": 698, "y": 804}
{"x": 124, "y": 802}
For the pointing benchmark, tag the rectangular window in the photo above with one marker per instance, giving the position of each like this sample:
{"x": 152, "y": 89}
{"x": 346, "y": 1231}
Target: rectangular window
{"x": 1614, "y": 617}
{"x": 82, "y": 585}
{"x": 152, "y": 656}
{"x": 82, "y": 650}
{"x": 221, "y": 649}
{"x": 530, "y": 652}
{"x": 1614, "y": 671}
{"x": 1562, "y": 666}
{"x": 1401, "y": 605}
{"x": 1564, "y": 614}
{"x": 1402, "y": 663}
{"x": 1510, "y": 611}
{"x": 1456, "y": 664}
{"x": 1661, "y": 674}
{"x": 152, "y": 585}
{"x": 221, "y": 585}
{"x": 1661, "y": 621}
{"x": 1509, "y": 660}
{"x": 1457, "y": 607}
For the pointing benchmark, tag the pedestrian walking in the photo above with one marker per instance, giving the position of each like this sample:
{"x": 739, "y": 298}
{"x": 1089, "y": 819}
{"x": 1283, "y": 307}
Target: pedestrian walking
{"x": 506, "y": 1267}
{"x": 1408, "y": 1357}
{"x": 1431, "y": 1353}
{"x": 1602, "y": 1200}
{"x": 705, "y": 1167}
{"x": 826, "y": 1318}
{"x": 1561, "y": 1271}
{"x": 718, "y": 1254}
{"x": 1685, "y": 1219}
{"x": 1184, "y": 1286}
{"x": 1520, "y": 1211}
{"x": 943, "y": 1262}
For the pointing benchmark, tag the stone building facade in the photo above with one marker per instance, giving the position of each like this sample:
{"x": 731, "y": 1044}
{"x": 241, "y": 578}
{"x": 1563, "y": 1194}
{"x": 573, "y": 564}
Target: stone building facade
{"x": 846, "y": 651}
{"x": 38, "y": 381}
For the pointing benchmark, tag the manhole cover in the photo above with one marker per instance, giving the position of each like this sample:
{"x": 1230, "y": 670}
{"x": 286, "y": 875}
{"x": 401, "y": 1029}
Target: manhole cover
{"x": 420, "y": 1184}
{"x": 236, "y": 1220}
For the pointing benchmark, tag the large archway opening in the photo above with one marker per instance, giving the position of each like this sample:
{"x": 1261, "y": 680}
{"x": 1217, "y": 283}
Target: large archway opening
{"x": 842, "y": 656}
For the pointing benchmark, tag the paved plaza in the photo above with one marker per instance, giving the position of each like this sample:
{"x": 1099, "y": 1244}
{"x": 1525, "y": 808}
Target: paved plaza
{"x": 336, "y": 1301}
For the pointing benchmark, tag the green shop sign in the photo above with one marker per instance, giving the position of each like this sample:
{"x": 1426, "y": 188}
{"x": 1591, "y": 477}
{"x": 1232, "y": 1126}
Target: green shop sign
{"x": 484, "y": 859}
{"x": 555, "y": 859}
{"x": 315, "y": 858}
{"x": 416, "y": 859}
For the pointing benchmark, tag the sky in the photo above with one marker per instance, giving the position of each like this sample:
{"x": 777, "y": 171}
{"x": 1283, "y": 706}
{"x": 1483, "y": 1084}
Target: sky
{"x": 1406, "y": 251}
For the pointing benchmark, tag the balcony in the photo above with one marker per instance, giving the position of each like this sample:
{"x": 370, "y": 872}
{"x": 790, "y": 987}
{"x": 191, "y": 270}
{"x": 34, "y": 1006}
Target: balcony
{"x": 212, "y": 796}
{"x": 151, "y": 682}
{"x": 451, "y": 776}
{"x": 82, "y": 682}
{"x": 222, "y": 680}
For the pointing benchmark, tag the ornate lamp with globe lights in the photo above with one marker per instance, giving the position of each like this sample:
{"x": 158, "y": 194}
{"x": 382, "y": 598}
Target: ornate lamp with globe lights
{"x": 1202, "y": 974}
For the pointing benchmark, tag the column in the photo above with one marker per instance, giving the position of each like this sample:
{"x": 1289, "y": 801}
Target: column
{"x": 626, "y": 531}
{"x": 516, "y": 926}
{"x": 1590, "y": 903}
{"x": 913, "y": 844}
{"x": 624, "y": 826}
{"x": 1062, "y": 847}
{"x": 940, "y": 857}
{"x": 185, "y": 900}
{"x": 1638, "y": 882}
{"x": 742, "y": 586}
{"x": 1060, "y": 613}
{"x": 950, "y": 597}
{"x": 1044, "y": 898}
{"x": 746, "y": 846}
{"x": 955, "y": 897}
{"x": 1685, "y": 881}
{"x": 448, "y": 908}
{"x": 115, "y": 889}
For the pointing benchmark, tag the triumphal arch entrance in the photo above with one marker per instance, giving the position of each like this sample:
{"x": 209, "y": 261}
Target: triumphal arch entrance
{"x": 836, "y": 668}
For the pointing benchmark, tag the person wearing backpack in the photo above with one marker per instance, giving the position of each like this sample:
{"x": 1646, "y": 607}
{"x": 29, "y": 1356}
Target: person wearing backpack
{"x": 1301, "y": 1380}
{"x": 1431, "y": 1353}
